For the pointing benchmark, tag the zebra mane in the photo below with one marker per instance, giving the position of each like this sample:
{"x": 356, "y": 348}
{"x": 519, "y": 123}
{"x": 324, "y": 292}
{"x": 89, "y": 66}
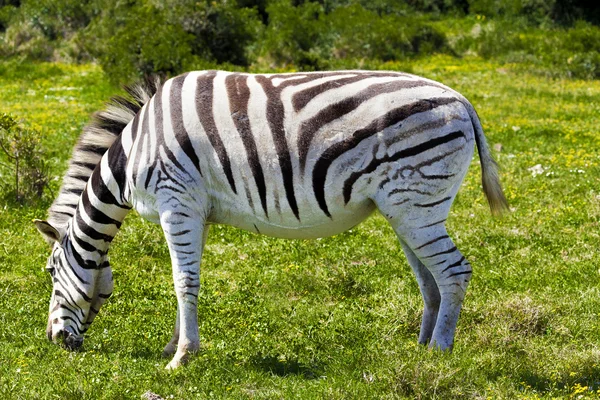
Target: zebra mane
{"x": 97, "y": 136}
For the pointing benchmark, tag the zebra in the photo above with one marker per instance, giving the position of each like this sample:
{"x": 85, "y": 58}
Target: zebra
{"x": 294, "y": 155}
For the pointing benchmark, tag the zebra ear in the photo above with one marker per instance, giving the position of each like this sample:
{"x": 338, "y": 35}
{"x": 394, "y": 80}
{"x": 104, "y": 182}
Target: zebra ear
{"x": 50, "y": 233}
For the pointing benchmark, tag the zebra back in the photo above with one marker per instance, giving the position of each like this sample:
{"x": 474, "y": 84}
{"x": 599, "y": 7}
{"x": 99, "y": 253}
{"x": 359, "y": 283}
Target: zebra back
{"x": 96, "y": 138}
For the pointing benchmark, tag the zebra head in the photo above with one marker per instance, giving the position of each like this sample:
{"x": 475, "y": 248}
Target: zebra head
{"x": 78, "y": 290}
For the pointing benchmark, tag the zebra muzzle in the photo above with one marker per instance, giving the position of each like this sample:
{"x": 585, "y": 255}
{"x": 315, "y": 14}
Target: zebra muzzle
{"x": 70, "y": 340}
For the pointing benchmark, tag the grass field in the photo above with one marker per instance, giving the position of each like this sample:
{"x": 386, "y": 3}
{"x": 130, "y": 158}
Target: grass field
{"x": 335, "y": 318}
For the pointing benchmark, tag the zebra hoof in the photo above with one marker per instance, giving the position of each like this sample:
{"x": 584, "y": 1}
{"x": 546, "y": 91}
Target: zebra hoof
{"x": 177, "y": 361}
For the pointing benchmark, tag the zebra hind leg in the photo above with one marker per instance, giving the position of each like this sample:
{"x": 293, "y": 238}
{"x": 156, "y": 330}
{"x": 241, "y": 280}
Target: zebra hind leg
{"x": 171, "y": 347}
{"x": 451, "y": 272}
{"x": 428, "y": 248}
{"x": 184, "y": 230}
{"x": 429, "y": 291}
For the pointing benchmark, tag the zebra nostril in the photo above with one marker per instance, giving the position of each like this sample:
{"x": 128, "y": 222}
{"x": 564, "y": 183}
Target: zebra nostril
{"x": 71, "y": 341}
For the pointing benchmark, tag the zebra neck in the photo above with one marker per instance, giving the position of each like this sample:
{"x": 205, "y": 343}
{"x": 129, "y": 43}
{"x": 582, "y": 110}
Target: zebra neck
{"x": 98, "y": 217}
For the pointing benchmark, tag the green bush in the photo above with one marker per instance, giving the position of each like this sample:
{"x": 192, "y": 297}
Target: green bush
{"x": 360, "y": 33}
{"x": 571, "y": 51}
{"x": 307, "y": 38}
{"x": 128, "y": 49}
{"x": 188, "y": 35}
{"x": 294, "y": 38}
{"x": 24, "y": 171}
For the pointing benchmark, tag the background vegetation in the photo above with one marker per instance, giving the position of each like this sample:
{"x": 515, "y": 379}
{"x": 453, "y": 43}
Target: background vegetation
{"x": 136, "y": 37}
{"x": 335, "y": 318}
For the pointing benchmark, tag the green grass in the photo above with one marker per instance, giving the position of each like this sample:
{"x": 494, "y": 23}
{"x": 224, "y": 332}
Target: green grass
{"x": 335, "y": 318}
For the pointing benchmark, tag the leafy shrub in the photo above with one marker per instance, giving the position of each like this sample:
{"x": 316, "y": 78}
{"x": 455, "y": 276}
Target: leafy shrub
{"x": 189, "y": 35}
{"x": 562, "y": 51}
{"x": 306, "y": 38}
{"x": 23, "y": 166}
{"x": 294, "y": 37}
{"x": 128, "y": 49}
{"x": 362, "y": 34}
{"x": 25, "y": 39}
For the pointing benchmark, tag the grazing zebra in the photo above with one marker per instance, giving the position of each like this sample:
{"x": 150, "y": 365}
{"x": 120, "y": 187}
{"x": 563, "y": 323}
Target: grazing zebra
{"x": 300, "y": 155}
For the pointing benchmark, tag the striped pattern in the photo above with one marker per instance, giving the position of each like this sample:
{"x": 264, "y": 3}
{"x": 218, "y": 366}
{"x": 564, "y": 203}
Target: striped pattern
{"x": 287, "y": 155}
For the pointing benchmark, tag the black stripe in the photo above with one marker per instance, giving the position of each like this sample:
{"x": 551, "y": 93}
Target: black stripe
{"x": 396, "y": 191}
{"x": 89, "y": 231}
{"x": 77, "y": 320}
{"x": 140, "y": 145}
{"x": 187, "y": 264}
{"x": 451, "y": 250}
{"x": 86, "y": 246}
{"x": 117, "y": 163}
{"x": 456, "y": 264}
{"x": 180, "y": 233}
{"x": 92, "y": 148}
{"x": 309, "y": 128}
{"x": 76, "y": 287}
{"x": 432, "y": 224}
{"x": 422, "y": 128}
{"x": 160, "y": 138}
{"x": 248, "y": 195}
{"x": 95, "y": 214}
{"x": 69, "y": 299}
{"x": 303, "y": 97}
{"x": 179, "y": 130}
{"x": 435, "y": 203}
{"x": 85, "y": 264}
{"x": 84, "y": 164}
{"x": 460, "y": 273}
{"x": 108, "y": 124}
{"x": 238, "y": 94}
{"x": 102, "y": 192}
{"x": 151, "y": 159}
{"x": 135, "y": 124}
{"x": 63, "y": 213}
{"x": 83, "y": 178}
{"x": 275, "y": 118}
{"x": 204, "y": 108}
{"x": 432, "y": 241}
{"x": 73, "y": 270}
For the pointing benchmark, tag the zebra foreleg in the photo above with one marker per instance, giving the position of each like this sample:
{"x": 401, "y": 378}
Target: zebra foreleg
{"x": 184, "y": 231}
{"x": 429, "y": 291}
{"x": 171, "y": 347}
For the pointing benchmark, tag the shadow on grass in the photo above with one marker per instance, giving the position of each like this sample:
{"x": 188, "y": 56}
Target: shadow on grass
{"x": 284, "y": 368}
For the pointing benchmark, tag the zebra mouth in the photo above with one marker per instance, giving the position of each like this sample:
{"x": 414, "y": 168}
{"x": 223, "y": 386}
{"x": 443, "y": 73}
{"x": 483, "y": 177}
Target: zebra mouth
{"x": 70, "y": 340}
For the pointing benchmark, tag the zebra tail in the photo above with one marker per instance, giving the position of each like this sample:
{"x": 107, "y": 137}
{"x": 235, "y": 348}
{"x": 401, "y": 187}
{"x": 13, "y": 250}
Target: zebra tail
{"x": 489, "y": 168}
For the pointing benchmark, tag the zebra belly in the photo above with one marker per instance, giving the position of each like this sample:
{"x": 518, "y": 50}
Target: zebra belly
{"x": 313, "y": 226}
